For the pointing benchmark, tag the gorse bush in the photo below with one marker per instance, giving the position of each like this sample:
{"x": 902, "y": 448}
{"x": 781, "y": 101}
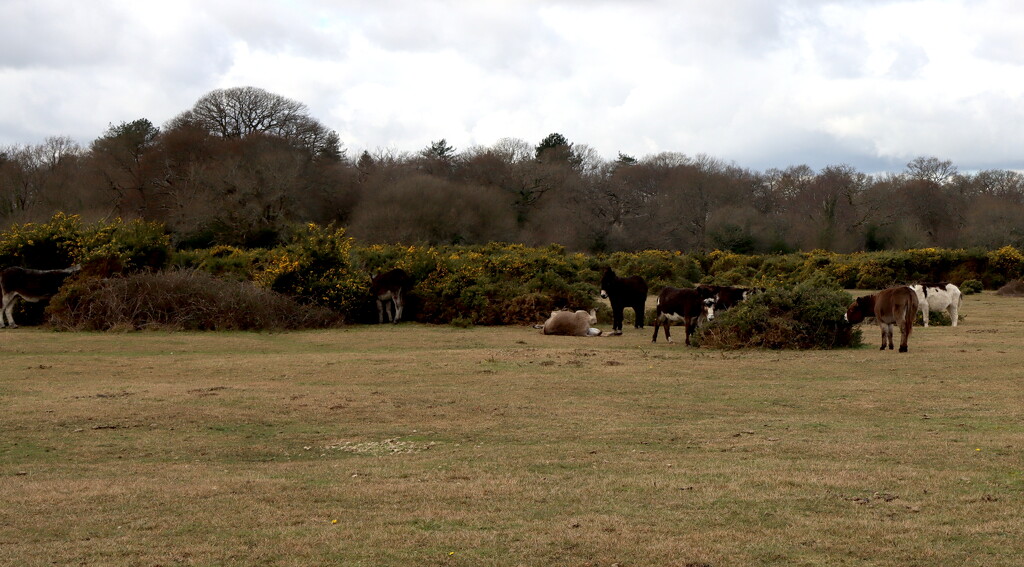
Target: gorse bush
{"x": 315, "y": 268}
{"x": 805, "y": 316}
{"x": 179, "y": 300}
{"x": 227, "y": 262}
{"x": 125, "y": 247}
{"x": 51, "y": 245}
{"x": 103, "y": 248}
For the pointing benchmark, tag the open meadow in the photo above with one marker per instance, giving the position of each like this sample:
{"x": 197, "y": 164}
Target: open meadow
{"x": 497, "y": 446}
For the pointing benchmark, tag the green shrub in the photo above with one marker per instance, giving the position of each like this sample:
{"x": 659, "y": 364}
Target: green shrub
{"x": 179, "y": 300}
{"x": 935, "y": 319}
{"x": 970, "y": 287}
{"x": 806, "y": 316}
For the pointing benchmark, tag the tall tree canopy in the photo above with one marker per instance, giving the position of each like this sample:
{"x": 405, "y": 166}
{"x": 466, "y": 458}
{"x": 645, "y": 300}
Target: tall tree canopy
{"x": 239, "y": 112}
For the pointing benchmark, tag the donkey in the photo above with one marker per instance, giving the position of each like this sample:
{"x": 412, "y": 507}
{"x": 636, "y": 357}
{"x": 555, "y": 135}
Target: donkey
{"x": 389, "y": 288}
{"x": 574, "y": 324}
{"x": 622, "y": 293}
{"x": 30, "y": 285}
{"x": 938, "y": 297}
{"x": 684, "y": 305}
{"x": 896, "y": 305}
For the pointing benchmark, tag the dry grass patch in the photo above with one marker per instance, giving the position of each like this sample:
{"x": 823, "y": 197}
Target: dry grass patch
{"x": 499, "y": 446}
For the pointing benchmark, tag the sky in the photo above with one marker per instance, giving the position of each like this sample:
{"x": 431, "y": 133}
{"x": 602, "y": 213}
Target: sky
{"x": 758, "y": 83}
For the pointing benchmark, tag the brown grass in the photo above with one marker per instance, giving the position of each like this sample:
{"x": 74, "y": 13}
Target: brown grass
{"x": 500, "y": 446}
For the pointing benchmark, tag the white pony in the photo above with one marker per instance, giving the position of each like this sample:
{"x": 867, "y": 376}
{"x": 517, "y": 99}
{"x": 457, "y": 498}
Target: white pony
{"x": 938, "y": 297}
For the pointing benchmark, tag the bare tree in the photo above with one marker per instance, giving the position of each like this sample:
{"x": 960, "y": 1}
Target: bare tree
{"x": 243, "y": 111}
{"x": 36, "y": 180}
{"x": 931, "y": 169}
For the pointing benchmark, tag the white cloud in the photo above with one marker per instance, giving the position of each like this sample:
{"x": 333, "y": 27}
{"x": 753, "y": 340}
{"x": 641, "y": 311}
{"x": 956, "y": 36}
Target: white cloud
{"x": 871, "y": 83}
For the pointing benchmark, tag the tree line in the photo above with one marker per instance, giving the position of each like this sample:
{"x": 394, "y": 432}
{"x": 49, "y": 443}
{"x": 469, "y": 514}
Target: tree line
{"x": 244, "y": 166}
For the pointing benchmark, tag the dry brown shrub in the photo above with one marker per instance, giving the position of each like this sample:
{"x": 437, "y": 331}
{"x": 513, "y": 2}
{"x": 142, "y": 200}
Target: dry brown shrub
{"x": 1014, "y": 288}
{"x": 180, "y": 300}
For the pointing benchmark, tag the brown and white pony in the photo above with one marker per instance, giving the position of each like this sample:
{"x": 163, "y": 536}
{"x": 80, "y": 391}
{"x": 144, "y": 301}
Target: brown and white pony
{"x": 681, "y": 305}
{"x": 893, "y": 306}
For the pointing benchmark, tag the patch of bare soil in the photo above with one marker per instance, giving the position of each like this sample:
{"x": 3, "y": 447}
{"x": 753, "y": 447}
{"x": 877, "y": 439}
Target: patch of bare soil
{"x": 381, "y": 448}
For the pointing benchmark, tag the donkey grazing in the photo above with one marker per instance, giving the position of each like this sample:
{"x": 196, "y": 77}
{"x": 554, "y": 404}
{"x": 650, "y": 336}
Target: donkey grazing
{"x": 30, "y": 285}
{"x": 896, "y": 305}
{"x": 389, "y": 288}
{"x": 726, "y": 297}
{"x": 684, "y": 305}
{"x": 574, "y": 324}
{"x": 622, "y": 293}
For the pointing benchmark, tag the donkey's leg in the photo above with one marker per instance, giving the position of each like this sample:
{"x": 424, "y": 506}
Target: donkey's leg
{"x": 638, "y": 320}
{"x": 399, "y": 303}
{"x": 8, "y": 309}
{"x": 617, "y": 318}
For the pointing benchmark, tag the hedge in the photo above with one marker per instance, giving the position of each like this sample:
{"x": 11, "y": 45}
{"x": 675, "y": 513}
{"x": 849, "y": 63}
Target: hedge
{"x": 496, "y": 283}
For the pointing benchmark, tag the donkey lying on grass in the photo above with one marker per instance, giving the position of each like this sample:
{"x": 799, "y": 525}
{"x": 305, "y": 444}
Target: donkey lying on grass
{"x": 575, "y": 324}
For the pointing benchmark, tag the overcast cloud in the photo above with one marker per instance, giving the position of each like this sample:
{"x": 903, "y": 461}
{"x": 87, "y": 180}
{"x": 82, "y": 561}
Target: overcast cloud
{"x": 870, "y": 83}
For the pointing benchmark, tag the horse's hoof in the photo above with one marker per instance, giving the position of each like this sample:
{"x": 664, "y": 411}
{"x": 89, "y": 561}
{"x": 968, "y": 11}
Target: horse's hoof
{"x": 903, "y": 349}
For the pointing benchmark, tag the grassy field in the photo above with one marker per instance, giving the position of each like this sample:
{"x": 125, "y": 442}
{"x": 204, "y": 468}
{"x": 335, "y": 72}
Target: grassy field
{"x": 421, "y": 445}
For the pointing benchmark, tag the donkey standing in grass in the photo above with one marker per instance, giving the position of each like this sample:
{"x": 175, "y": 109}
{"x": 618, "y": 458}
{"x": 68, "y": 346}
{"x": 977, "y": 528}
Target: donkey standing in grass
{"x": 30, "y": 285}
{"x": 623, "y": 293}
{"x": 389, "y": 289}
{"x": 893, "y": 306}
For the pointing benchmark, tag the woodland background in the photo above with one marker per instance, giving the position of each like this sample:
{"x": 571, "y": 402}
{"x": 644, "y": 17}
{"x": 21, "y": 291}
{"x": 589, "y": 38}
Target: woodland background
{"x": 244, "y": 166}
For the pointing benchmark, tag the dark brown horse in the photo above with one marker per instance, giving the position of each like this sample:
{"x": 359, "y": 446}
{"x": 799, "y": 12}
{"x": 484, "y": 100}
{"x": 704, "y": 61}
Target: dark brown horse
{"x": 30, "y": 285}
{"x": 893, "y": 306}
{"x": 622, "y": 293}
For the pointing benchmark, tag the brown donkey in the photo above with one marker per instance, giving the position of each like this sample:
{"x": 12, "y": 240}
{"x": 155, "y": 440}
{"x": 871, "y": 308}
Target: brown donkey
{"x": 896, "y": 305}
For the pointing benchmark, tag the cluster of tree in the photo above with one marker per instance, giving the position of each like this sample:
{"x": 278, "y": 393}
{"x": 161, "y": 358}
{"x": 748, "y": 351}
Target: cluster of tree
{"x": 243, "y": 165}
